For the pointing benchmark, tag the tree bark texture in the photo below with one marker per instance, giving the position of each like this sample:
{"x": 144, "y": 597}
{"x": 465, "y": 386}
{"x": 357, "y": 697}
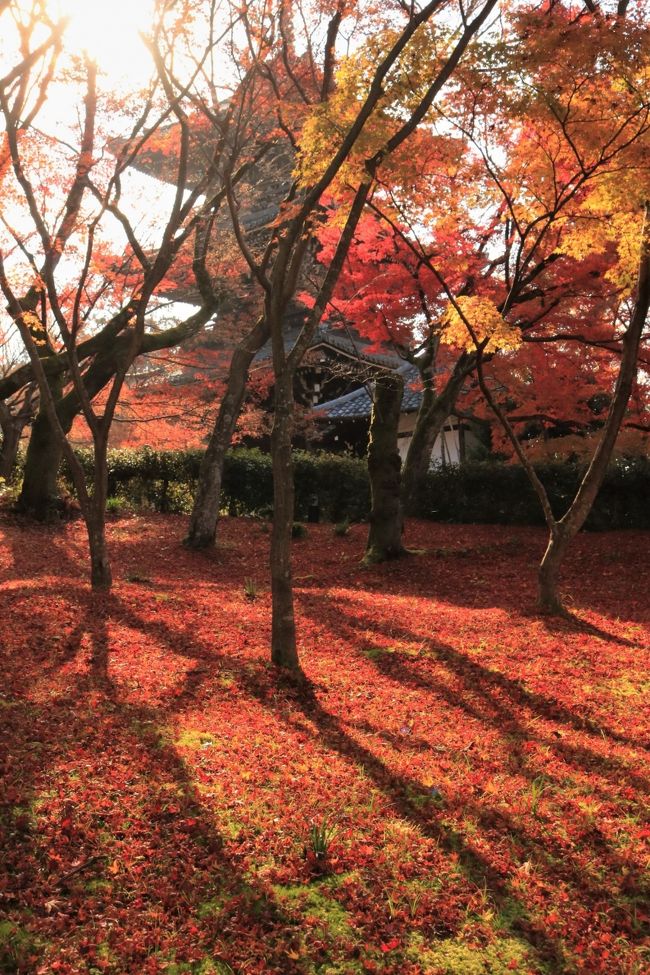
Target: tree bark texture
{"x": 12, "y": 427}
{"x": 39, "y": 495}
{"x": 571, "y": 523}
{"x": 283, "y": 629}
{"x": 548, "y": 597}
{"x": 205, "y": 511}
{"x": 384, "y": 464}
{"x": 101, "y": 577}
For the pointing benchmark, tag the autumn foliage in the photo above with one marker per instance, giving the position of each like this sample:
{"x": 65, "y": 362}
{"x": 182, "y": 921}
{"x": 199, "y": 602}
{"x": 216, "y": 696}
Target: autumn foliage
{"x": 462, "y": 791}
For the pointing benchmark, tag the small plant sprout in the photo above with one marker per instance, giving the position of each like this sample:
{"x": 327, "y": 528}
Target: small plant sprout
{"x": 413, "y": 901}
{"x": 250, "y": 588}
{"x": 321, "y": 836}
{"x": 538, "y": 787}
{"x": 392, "y": 906}
{"x": 342, "y": 528}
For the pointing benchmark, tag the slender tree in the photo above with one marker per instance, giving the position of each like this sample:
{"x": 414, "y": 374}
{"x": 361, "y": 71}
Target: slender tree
{"x": 51, "y": 311}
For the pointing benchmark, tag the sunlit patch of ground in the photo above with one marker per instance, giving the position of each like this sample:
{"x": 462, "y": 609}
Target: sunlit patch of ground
{"x": 462, "y": 790}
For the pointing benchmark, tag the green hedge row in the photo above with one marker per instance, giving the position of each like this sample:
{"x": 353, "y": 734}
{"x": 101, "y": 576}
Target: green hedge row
{"x": 165, "y": 480}
{"x": 502, "y": 494}
{"x": 478, "y": 492}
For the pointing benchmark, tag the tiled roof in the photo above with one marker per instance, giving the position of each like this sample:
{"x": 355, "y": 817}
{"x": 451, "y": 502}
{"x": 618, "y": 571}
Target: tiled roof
{"x": 335, "y": 339}
{"x": 358, "y": 404}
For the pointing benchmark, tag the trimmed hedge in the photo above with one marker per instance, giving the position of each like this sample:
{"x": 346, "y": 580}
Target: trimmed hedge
{"x": 153, "y": 478}
{"x": 502, "y": 494}
{"x": 479, "y": 492}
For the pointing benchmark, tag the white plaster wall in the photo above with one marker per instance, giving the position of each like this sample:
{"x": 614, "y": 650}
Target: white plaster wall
{"x": 446, "y": 449}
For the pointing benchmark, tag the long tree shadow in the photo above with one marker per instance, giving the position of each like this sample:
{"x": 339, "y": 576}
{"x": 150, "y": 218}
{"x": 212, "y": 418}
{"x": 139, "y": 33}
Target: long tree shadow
{"x": 407, "y": 803}
{"x": 105, "y": 822}
{"x": 481, "y": 679}
{"x": 474, "y": 569}
{"x": 398, "y": 789}
{"x": 409, "y": 800}
{"x": 493, "y": 697}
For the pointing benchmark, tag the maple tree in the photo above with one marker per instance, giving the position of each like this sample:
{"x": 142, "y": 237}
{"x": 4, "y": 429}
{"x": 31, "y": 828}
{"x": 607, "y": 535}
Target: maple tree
{"x": 54, "y": 311}
{"x": 344, "y": 124}
{"x": 15, "y": 412}
{"x": 533, "y": 235}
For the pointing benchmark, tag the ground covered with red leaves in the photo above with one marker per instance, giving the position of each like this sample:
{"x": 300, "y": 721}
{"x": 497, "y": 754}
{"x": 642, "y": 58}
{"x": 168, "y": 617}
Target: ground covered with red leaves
{"x": 461, "y": 791}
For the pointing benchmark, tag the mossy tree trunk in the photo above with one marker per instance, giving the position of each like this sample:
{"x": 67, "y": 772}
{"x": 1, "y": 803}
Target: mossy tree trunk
{"x": 384, "y": 465}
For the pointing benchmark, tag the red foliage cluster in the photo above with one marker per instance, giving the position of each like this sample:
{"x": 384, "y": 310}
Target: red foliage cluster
{"x": 463, "y": 784}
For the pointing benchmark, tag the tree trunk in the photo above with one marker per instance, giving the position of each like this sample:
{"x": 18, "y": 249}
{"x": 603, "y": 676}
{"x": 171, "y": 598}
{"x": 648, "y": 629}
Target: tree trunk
{"x": 11, "y": 431}
{"x": 205, "y": 512}
{"x": 101, "y": 576}
{"x": 386, "y": 522}
{"x": 548, "y": 596}
{"x": 432, "y": 416}
{"x": 571, "y": 523}
{"x": 39, "y": 496}
{"x": 283, "y": 630}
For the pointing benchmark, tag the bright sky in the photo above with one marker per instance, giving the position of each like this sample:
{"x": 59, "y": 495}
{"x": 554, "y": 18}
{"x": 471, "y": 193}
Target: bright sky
{"x": 109, "y": 31}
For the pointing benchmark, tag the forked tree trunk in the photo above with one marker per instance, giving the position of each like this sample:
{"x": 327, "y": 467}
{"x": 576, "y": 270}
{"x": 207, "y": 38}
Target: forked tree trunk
{"x": 431, "y": 418}
{"x": 283, "y": 630}
{"x": 384, "y": 464}
{"x": 205, "y": 512}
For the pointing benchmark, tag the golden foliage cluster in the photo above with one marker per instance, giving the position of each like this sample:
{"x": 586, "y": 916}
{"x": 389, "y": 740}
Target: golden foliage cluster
{"x": 486, "y": 323}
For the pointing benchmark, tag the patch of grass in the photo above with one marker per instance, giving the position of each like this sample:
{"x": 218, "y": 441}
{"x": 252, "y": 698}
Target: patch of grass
{"x": 627, "y": 686}
{"x": 138, "y": 577}
{"x": 98, "y": 886}
{"x": 206, "y": 966}
{"x": 251, "y": 589}
{"x": 342, "y": 529}
{"x": 211, "y": 908}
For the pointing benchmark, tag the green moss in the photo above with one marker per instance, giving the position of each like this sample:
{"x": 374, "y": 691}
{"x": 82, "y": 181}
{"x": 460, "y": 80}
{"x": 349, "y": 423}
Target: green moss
{"x": 511, "y": 912}
{"x": 207, "y": 966}
{"x": 628, "y": 685}
{"x": 189, "y": 738}
{"x": 454, "y": 957}
{"x": 17, "y": 946}
{"x": 374, "y": 653}
{"x": 211, "y": 907}
{"x": 98, "y": 886}
{"x": 312, "y": 902}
